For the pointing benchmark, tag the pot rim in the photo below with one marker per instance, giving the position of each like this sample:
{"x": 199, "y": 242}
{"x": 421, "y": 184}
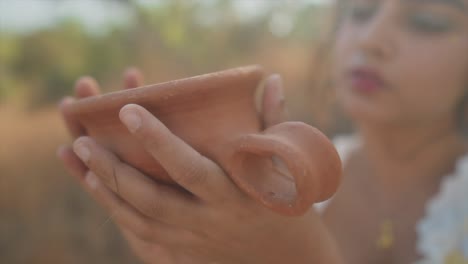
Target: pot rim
{"x": 164, "y": 90}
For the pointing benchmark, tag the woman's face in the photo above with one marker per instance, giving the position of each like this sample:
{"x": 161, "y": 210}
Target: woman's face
{"x": 402, "y": 61}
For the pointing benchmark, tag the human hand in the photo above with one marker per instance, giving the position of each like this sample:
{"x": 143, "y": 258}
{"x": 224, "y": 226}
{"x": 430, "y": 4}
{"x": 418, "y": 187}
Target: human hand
{"x": 214, "y": 222}
{"x": 86, "y": 87}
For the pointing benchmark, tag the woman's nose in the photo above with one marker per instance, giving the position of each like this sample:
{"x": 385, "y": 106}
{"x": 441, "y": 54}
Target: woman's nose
{"x": 378, "y": 37}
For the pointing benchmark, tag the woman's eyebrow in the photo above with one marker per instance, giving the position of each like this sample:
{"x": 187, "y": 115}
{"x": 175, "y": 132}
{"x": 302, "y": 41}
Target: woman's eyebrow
{"x": 460, "y": 4}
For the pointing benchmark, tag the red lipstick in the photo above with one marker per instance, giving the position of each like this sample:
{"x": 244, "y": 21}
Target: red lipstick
{"x": 366, "y": 80}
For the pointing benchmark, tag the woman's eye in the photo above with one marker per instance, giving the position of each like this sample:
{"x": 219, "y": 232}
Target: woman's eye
{"x": 429, "y": 23}
{"x": 361, "y": 13}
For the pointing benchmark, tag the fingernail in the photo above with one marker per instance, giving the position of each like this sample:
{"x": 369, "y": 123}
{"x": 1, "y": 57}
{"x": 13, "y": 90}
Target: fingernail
{"x": 276, "y": 77}
{"x": 91, "y": 180}
{"x": 131, "y": 119}
{"x": 82, "y": 151}
{"x": 277, "y": 81}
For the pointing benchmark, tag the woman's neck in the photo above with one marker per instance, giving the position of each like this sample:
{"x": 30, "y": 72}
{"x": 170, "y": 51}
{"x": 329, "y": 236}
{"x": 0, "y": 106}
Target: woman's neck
{"x": 402, "y": 157}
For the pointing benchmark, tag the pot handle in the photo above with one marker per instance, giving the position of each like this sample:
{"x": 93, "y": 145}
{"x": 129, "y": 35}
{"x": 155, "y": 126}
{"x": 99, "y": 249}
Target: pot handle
{"x": 287, "y": 167}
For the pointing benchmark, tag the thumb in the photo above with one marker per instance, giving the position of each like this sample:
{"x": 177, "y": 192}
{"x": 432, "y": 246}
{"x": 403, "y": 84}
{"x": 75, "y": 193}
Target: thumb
{"x": 273, "y": 102}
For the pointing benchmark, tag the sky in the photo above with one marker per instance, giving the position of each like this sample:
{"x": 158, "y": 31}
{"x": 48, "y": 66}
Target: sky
{"x": 26, "y": 15}
{"x": 96, "y": 15}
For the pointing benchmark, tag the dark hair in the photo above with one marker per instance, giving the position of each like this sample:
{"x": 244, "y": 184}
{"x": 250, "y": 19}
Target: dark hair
{"x": 334, "y": 120}
{"x": 462, "y": 115}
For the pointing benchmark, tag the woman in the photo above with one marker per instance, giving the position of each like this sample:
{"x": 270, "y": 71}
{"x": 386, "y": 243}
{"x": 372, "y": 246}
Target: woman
{"x": 400, "y": 73}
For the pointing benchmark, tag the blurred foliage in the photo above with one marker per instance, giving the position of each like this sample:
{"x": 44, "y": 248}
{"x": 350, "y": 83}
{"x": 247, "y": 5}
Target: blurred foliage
{"x": 174, "y": 36}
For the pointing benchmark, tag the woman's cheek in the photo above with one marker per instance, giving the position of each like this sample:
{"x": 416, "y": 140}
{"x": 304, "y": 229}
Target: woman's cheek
{"x": 428, "y": 95}
{"x": 440, "y": 70}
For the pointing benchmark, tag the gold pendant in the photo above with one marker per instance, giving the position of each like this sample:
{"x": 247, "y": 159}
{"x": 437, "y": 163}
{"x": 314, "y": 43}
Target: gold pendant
{"x": 386, "y": 237}
{"x": 455, "y": 257}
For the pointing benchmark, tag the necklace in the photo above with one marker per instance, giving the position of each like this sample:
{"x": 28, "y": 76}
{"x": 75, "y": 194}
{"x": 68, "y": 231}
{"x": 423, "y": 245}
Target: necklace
{"x": 386, "y": 237}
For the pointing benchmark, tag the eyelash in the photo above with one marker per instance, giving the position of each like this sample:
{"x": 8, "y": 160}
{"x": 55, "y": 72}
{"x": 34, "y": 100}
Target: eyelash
{"x": 428, "y": 23}
{"x": 422, "y": 22}
{"x": 361, "y": 13}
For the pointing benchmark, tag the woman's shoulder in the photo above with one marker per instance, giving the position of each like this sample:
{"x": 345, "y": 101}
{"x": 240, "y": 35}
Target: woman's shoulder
{"x": 443, "y": 232}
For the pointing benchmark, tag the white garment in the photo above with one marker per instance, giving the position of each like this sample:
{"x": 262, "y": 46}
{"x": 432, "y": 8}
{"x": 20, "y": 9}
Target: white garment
{"x": 443, "y": 231}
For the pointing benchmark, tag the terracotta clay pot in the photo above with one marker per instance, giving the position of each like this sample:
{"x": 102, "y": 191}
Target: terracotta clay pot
{"x": 286, "y": 167}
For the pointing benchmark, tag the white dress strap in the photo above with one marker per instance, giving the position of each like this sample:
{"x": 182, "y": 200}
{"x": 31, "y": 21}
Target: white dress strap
{"x": 443, "y": 232}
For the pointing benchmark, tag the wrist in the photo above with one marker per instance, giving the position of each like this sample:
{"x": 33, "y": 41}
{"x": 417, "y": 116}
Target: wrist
{"x": 310, "y": 242}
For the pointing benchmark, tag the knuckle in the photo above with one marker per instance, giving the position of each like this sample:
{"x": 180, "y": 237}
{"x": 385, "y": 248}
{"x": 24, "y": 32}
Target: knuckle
{"x": 119, "y": 204}
{"x": 109, "y": 170}
{"x": 155, "y": 139}
{"x": 117, "y": 169}
{"x": 193, "y": 173}
{"x": 281, "y": 104}
{"x": 144, "y": 230}
{"x": 156, "y": 209}
{"x": 186, "y": 240}
{"x": 105, "y": 170}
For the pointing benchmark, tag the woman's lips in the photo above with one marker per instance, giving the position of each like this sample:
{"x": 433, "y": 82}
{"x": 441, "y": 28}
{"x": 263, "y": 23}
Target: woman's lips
{"x": 366, "y": 80}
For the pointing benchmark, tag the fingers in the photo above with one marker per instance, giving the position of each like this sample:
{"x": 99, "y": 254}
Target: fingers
{"x": 125, "y": 215}
{"x": 147, "y": 252}
{"x": 185, "y": 165}
{"x": 273, "y": 105}
{"x": 72, "y": 163}
{"x": 154, "y": 200}
{"x": 73, "y": 125}
{"x": 84, "y": 87}
{"x": 88, "y": 86}
{"x": 120, "y": 211}
{"x": 133, "y": 78}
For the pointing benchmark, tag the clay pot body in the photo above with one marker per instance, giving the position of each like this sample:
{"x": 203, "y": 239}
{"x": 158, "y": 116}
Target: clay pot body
{"x": 286, "y": 167}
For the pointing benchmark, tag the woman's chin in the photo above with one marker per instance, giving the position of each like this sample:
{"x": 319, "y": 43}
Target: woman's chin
{"x": 366, "y": 113}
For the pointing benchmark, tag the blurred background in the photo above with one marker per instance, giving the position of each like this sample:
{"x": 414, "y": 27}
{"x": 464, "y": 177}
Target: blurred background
{"x": 45, "y": 45}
